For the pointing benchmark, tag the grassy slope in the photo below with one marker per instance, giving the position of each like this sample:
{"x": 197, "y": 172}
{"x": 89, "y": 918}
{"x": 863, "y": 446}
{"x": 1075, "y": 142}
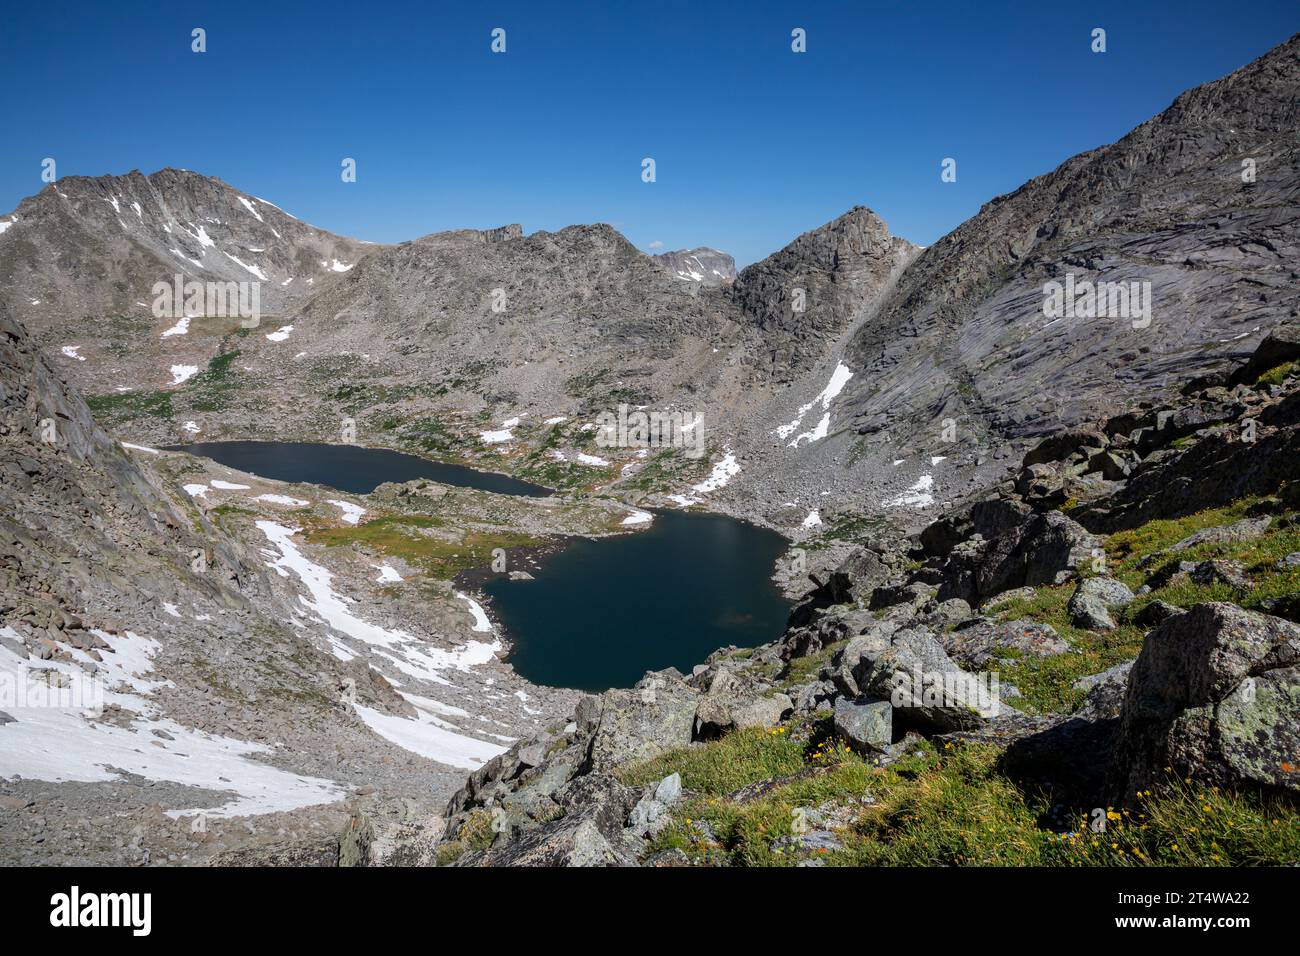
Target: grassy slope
{"x": 951, "y": 805}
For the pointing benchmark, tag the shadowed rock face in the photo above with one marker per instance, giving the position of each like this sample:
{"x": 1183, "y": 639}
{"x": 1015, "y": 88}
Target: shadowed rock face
{"x": 965, "y": 327}
{"x": 83, "y": 527}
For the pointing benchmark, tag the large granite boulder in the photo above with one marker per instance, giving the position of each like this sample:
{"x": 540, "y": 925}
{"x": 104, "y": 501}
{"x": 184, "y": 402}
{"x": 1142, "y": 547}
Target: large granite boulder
{"x": 1093, "y": 600}
{"x": 910, "y": 669}
{"x": 983, "y": 641}
{"x": 656, "y": 715}
{"x": 1046, "y": 548}
{"x": 1214, "y": 694}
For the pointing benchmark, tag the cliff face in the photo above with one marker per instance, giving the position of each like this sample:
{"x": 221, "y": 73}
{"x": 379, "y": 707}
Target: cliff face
{"x": 85, "y": 526}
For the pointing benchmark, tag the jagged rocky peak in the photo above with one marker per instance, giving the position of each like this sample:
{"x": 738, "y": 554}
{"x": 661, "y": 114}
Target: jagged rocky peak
{"x": 702, "y": 264}
{"x": 835, "y": 246}
{"x": 804, "y": 296}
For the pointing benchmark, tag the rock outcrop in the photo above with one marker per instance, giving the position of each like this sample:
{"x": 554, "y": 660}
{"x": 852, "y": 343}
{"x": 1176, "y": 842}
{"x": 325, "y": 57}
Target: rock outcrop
{"x": 1214, "y": 694}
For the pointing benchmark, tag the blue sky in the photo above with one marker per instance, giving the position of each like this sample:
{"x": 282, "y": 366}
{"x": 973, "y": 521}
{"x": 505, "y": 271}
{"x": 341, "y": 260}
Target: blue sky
{"x": 753, "y": 143}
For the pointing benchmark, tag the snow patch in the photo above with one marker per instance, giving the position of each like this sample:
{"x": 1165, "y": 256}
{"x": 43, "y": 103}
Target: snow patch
{"x": 723, "y": 472}
{"x": 283, "y": 500}
{"x": 249, "y": 206}
{"x": 351, "y": 513}
{"x": 254, "y": 270}
{"x": 180, "y": 255}
{"x": 839, "y": 378}
{"x": 428, "y": 737}
{"x": 387, "y": 573}
{"x": 183, "y": 373}
{"x": 481, "y": 621}
{"x": 918, "y": 496}
{"x": 201, "y": 236}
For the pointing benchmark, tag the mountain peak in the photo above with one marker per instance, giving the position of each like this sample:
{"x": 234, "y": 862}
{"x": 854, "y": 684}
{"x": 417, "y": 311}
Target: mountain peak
{"x": 701, "y": 264}
{"x": 807, "y": 293}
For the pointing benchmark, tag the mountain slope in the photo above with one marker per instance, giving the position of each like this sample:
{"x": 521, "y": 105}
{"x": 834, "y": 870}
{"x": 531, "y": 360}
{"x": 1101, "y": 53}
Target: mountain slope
{"x": 909, "y": 378}
{"x": 958, "y": 368}
{"x": 802, "y": 297}
{"x": 204, "y": 664}
{"x": 965, "y": 329}
{"x": 79, "y": 261}
{"x": 700, "y": 265}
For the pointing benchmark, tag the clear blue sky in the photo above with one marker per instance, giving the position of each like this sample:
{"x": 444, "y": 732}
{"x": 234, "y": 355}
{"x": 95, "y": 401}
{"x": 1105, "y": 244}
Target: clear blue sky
{"x": 754, "y": 144}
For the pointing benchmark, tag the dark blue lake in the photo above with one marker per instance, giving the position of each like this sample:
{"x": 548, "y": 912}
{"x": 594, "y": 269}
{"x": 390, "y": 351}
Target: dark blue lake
{"x": 603, "y": 611}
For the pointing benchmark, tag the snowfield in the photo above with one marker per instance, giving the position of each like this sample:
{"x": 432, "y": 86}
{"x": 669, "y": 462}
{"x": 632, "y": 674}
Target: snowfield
{"x": 63, "y": 743}
{"x": 425, "y": 735}
{"x": 839, "y": 378}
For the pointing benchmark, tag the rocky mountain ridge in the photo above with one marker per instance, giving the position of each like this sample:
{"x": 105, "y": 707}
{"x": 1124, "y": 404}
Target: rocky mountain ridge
{"x": 850, "y": 366}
